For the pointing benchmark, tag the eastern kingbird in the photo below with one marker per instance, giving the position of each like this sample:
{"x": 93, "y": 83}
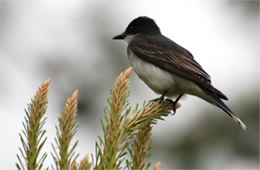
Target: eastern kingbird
{"x": 166, "y": 67}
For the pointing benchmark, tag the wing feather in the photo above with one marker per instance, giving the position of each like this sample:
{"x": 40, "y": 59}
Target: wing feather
{"x": 180, "y": 64}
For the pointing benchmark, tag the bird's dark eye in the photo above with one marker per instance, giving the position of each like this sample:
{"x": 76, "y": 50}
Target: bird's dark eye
{"x": 131, "y": 28}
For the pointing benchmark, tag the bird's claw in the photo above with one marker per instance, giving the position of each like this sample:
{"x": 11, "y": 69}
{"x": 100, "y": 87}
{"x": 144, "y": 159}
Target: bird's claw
{"x": 174, "y": 108}
{"x": 174, "y": 104}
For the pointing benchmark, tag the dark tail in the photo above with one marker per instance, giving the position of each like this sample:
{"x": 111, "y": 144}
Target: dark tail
{"x": 221, "y": 104}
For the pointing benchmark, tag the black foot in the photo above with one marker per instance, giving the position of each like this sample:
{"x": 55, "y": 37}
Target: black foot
{"x": 174, "y": 107}
{"x": 175, "y": 104}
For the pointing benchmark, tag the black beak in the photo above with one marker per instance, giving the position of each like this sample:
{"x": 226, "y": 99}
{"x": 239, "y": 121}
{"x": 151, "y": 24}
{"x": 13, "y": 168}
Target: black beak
{"x": 120, "y": 36}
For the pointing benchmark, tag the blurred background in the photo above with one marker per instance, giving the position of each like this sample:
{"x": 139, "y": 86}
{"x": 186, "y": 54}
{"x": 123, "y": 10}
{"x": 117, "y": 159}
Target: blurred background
{"x": 71, "y": 42}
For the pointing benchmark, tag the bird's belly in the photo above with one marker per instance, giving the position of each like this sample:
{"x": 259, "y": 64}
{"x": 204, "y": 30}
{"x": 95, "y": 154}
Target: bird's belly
{"x": 157, "y": 79}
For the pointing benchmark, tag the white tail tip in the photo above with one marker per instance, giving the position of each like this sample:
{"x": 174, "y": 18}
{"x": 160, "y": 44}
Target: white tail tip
{"x": 243, "y": 126}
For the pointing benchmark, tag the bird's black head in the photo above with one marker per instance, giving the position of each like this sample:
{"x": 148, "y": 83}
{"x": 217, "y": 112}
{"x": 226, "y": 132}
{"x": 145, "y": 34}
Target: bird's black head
{"x": 142, "y": 25}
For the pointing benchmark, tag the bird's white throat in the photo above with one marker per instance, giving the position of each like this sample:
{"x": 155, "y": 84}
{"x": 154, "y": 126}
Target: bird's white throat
{"x": 129, "y": 38}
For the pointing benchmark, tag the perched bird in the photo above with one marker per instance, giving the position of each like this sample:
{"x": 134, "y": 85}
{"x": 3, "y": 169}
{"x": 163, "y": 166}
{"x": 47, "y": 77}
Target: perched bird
{"x": 166, "y": 67}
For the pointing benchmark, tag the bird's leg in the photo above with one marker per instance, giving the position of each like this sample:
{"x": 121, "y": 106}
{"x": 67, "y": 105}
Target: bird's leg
{"x": 161, "y": 98}
{"x": 175, "y": 103}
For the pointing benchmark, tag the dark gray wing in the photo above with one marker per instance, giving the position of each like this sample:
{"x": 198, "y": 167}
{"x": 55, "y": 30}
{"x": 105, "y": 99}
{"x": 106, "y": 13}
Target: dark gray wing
{"x": 171, "y": 57}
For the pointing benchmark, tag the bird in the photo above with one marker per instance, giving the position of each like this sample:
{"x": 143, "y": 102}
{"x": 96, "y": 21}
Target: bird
{"x": 166, "y": 67}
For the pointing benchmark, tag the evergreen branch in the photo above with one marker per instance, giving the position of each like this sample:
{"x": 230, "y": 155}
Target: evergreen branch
{"x": 113, "y": 136}
{"x": 85, "y": 164}
{"x": 141, "y": 147}
{"x": 32, "y": 136}
{"x": 141, "y": 121}
{"x": 149, "y": 114}
{"x": 157, "y": 166}
{"x": 122, "y": 127}
{"x": 64, "y": 158}
{"x": 119, "y": 126}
